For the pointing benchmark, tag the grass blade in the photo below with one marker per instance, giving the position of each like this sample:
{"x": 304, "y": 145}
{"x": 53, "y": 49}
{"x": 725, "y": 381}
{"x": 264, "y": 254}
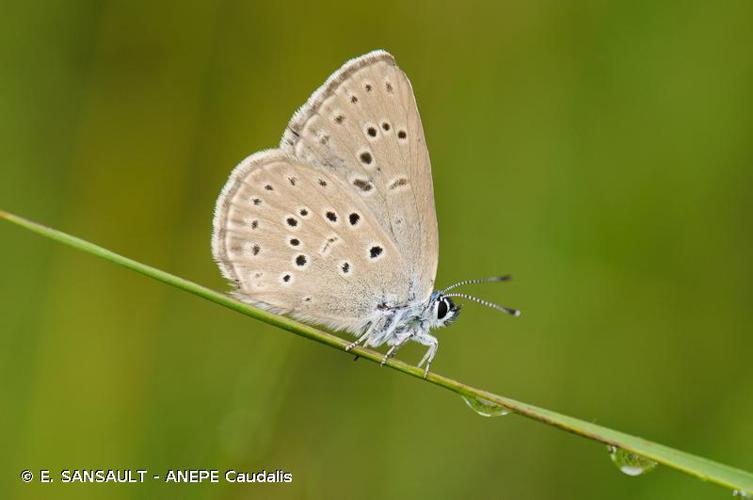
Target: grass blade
{"x": 694, "y": 465}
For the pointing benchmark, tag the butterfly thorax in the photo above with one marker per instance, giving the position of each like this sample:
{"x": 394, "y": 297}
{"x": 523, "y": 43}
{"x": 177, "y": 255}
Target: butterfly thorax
{"x": 394, "y": 325}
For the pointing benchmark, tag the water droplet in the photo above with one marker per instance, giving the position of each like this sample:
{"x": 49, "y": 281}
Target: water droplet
{"x": 485, "y": 408}
{"x": 742, "y": 494}
{"x": 629, "y": 463}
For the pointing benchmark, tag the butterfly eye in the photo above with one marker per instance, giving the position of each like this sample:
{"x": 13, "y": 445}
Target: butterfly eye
{"x": 442, "y": 309}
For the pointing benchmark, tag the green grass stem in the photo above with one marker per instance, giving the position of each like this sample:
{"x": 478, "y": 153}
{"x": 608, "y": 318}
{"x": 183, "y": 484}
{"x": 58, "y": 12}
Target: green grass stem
{"x": 703, "y": 468}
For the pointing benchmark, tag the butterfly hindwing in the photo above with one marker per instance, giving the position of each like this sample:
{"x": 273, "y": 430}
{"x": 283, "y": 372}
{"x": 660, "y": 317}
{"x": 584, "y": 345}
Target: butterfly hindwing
{"x": 363, "y": 126}
{"x": 295, "y": 239}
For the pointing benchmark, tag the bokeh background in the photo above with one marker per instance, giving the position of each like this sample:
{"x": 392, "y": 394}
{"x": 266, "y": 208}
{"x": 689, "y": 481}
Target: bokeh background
{"x": 599, "y": 151}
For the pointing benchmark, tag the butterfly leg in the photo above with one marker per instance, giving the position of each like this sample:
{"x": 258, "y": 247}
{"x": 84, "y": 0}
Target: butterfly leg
{"x": 362, "y": 339}
{"x": 433, "y": 343}
{"x": 395, "y": 347}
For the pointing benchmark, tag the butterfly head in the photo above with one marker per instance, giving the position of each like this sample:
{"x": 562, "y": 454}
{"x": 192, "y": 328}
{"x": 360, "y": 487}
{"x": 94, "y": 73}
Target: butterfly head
{"x": 442, "y": 310}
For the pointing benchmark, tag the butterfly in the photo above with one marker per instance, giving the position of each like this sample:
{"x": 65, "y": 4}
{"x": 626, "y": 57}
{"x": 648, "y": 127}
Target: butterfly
{"x": 337, "y": 225}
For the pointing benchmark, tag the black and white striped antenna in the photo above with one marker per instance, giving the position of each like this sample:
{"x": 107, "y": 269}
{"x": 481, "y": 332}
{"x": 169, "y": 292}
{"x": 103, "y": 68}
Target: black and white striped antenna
{"x": 490, "y": 279}
{"x": 504, "y": 309}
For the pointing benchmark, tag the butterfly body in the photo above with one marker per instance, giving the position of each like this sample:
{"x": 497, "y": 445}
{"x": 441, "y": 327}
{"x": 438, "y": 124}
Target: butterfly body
{"x": 337, "y": 226}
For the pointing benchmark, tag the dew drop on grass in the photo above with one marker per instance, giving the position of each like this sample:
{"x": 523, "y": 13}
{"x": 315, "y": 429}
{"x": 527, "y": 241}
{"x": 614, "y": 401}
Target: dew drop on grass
{"x": 629, "y": 463}
{"x": 485, "y": 408}
{"x": 742, "y": 494}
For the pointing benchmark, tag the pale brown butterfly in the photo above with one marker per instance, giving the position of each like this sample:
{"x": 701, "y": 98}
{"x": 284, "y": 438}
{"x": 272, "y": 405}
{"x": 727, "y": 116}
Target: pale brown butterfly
{"x": 337, "y": 226}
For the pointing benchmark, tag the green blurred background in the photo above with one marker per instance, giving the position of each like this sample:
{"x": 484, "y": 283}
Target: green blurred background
{"x": 599, "y": 151}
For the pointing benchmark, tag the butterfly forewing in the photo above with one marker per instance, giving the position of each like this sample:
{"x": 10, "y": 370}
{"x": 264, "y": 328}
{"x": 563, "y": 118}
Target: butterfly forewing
{"x": 296, "y": 239}
{"x": 363, "y": 127}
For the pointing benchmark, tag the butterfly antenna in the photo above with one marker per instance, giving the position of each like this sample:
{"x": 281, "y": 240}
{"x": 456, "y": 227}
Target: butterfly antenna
{"x": 508, "y": 310}
{"x": 491, "y": 279}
